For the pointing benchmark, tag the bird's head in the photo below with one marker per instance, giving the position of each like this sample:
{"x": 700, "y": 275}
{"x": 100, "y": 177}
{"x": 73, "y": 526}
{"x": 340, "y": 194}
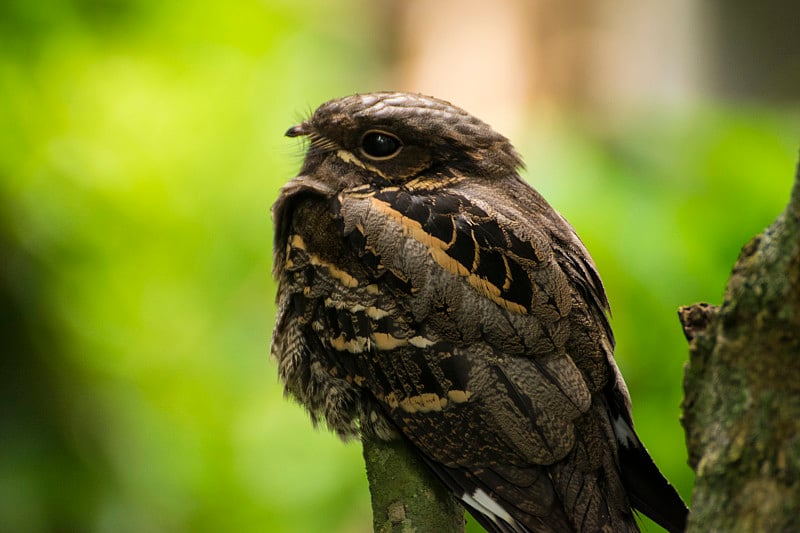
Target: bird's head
{"x": 395, "y": 137}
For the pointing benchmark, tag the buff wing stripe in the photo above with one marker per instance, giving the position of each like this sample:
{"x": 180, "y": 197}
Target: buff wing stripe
{"x": 465, "y": 241}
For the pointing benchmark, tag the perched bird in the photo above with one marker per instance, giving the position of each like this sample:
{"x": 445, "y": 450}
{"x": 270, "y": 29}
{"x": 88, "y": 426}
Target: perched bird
{"x": 426, "y": 292}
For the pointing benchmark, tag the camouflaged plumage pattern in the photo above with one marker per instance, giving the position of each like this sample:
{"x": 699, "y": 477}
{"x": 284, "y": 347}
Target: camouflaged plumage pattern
{"x": 435, "y": 294}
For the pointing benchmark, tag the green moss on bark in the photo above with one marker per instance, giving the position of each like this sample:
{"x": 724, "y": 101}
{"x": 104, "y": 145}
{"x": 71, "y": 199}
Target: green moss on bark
{"x": 406, "y": 497}
{"x": 742, "y": 385}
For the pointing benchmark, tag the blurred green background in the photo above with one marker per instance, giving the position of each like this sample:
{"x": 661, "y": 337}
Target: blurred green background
{"x": 140, "y": 151}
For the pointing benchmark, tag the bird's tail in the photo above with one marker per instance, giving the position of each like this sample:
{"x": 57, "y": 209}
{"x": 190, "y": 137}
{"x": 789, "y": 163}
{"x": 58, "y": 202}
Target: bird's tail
{"x": 648, "y": 489}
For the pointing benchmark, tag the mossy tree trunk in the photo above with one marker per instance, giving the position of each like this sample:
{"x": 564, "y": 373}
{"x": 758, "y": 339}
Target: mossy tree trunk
{"x": 741, "y": 410}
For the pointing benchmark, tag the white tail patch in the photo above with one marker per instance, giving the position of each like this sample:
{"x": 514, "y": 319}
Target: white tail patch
{"x": 484, "y": 504}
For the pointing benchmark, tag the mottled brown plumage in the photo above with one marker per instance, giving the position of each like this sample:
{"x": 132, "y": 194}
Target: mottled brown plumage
{"x": 425, "y": 290}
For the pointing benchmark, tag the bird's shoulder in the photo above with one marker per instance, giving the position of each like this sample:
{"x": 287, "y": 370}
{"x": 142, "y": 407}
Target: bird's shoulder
{"x": 501, "y": 237}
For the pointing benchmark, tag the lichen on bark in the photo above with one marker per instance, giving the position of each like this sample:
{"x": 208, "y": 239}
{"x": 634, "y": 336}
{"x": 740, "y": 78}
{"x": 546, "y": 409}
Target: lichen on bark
{"x": 742, "y": 388}
{"x": 406, "y": 497}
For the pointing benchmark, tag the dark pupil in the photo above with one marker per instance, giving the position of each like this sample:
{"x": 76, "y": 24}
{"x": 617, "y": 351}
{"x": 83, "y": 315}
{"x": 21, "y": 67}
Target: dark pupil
{"x": 380, "y": 144}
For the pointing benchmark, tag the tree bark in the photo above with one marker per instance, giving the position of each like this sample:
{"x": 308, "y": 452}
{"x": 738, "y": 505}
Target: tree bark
{"x": 741, "y": 410}
{"x": 406, "y": 497}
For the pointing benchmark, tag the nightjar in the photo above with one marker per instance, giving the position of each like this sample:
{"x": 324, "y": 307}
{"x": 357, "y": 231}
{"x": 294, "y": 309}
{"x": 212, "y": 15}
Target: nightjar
{"x": 426, "y": 292}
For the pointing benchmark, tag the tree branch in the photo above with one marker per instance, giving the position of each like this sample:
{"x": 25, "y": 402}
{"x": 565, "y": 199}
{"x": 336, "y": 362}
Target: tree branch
{"x": 742, "y": 388}
{"x": 406, "y": 497}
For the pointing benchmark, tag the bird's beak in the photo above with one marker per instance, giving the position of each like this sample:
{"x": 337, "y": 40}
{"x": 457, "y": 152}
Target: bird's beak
{"x": 298, "y": 130}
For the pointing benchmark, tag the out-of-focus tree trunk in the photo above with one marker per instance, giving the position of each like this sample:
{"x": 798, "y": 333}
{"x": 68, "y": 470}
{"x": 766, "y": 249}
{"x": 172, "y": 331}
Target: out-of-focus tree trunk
{"x": 742, "y": 388}
{"x": 501, "y": 59}
{"x": 606, "y": 58}
{"x": 754, "y": 50}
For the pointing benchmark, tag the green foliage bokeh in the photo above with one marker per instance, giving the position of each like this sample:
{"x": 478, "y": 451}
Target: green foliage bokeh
{"x": 140, "y": 151}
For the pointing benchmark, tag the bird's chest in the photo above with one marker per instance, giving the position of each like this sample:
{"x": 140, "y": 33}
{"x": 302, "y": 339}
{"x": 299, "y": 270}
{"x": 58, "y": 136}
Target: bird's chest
{"x": 349, "y": 311}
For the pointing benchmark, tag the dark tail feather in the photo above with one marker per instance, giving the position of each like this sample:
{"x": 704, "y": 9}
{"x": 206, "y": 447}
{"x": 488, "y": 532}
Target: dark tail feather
{"x": 648, "y": 489}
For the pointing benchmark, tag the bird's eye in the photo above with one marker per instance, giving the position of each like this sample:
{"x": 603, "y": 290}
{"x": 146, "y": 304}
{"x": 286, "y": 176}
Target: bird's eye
{"x": 380, "y": 145}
